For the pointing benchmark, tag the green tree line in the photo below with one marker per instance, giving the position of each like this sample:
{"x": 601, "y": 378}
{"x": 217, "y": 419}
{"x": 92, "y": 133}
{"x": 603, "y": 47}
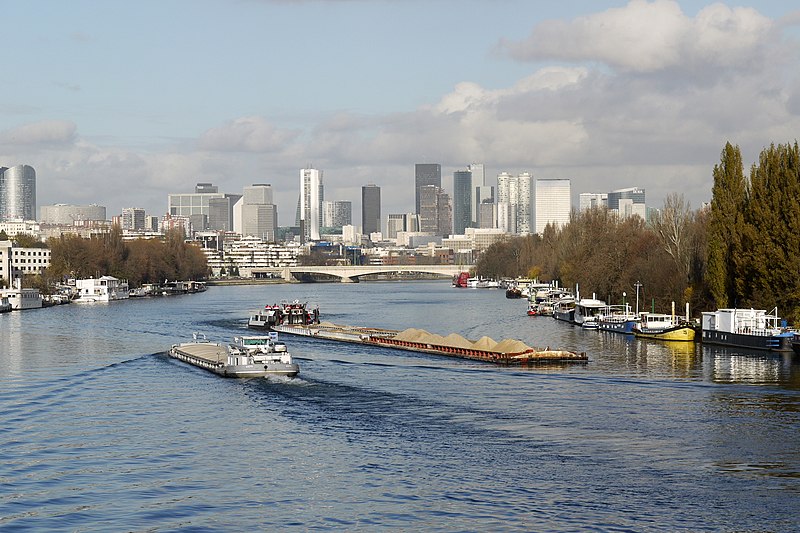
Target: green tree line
{"x": 139, "y": 261}
{"x": 742, "y": 251}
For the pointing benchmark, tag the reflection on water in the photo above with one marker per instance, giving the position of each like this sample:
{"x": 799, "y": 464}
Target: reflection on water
{"x": 735, "y": 365}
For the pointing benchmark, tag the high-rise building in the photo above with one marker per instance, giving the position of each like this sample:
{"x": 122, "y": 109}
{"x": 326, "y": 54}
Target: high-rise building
{"x": 337, "y": 214}
{"x": 259, "y": 215}
{"x": 436, "y": 211}
{"x": 370, "y": 209}
{"x": 553, "y": 203}
{"x": 463, "y": 193}
{"x": 589, "y": 200}
{"x": 311, "y": 198}
{"x": 628, "y": 202}
{"x": 133, "y": 219}
{"x": 18, "y": 193}
{"x": 514, "y": 203}
{"x": 487, "y": 214}
{"x": 426, "y": 174}
{"x": 194, "y": 206}
{"x": 220, "y": 212}
{"x": 478, "y": 180}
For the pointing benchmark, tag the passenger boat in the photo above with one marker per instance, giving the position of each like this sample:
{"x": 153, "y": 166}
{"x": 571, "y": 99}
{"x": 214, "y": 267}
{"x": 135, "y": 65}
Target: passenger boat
{"x": 663, "y": 327}
{"x": 747, "y": 328}
{"x": 102, "y": 289}
{"x": 283, "y": 313}
{"x": 618, "y": 319}
{"x": 587, "y": 311}
{"x": 22, "y": 298}
{"x": 246, "y": 357}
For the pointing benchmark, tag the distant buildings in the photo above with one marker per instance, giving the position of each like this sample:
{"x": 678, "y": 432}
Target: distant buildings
{"x": 553, "y": 203}
{"x": 514, "y": 203}
{"x": 435, "y": 211}
{"x": 196, "y": 207}
{"x": 370, "y": 209}
{"x": 133, "y": 219}
{"x": 623, "y": 202}
{"x": 337, "y": 214}
{"x": 462, "y": 201}
{"x": 259, "y": 214}
{"x": 18, "y": 193}
{"x": 425, "y": 174}
{"x": 16, "y": 261}
{"x": 67, "y": 215}
{"x": 310, "y": 204}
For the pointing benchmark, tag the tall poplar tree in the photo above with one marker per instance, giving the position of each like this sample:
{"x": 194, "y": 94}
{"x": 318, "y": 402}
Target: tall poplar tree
{"x": 725, "y": 264}
{"x": 772, "y": 237}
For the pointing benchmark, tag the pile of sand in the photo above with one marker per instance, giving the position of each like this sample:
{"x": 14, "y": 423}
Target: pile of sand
{"x": 455, "y": 340}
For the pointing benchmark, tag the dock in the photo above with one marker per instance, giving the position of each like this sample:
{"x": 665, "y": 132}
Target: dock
{"x": 506, "y": 352}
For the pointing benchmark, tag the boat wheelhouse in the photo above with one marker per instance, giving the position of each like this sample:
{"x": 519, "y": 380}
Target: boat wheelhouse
{"x": 747, "y": 328}
{"x": 588, "y": 311}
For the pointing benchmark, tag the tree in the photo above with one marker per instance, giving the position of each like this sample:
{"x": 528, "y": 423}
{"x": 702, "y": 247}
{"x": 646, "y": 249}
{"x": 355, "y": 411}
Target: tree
{"x": 723, "y": 275}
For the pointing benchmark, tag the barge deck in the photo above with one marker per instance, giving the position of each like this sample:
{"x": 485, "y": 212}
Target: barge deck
{"x": 506, "y": 352}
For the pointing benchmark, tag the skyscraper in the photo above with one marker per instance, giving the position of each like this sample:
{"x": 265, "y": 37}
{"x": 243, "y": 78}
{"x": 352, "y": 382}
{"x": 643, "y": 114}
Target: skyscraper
{"x": 628, "y": 202}
{"x": 553, "y": 203}
{"x": 426, "y": 174}
{"x": 514, "y": 203}
{"x": 311, "y": 197}
{"x": 337, "y": 214}
{"x": 478, "y": 180}
{"x": 370, "y": 209}
{"x": 194, "y": 206}
{"x": 463, "y": 193}
{"x": 436, "y": 211}
{"x": 259, "y": 214}
{"x": 18, "y": 193}
{"x": 133, "y": 219}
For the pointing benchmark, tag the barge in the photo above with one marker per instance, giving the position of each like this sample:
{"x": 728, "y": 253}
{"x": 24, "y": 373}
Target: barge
{"x": 748, "y": 328}
{"x": 248, "y": 356}
{"x": 506, "y": 352}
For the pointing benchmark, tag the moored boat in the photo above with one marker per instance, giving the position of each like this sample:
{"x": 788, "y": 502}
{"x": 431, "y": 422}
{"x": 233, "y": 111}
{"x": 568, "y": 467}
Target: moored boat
{"x": 587, "y": 311}
{"x": 247, "y": 356}
{"x": 747, "y": 328}
{"x": 663, "y": 327}
{"x": 283, "y": 313}
{"x": 460, "y": 281}
{"x": 564, "y": 309}
{"x": 618, "y": 319}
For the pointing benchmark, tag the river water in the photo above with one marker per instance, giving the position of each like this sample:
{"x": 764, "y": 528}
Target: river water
{"x": 100, "y": 430}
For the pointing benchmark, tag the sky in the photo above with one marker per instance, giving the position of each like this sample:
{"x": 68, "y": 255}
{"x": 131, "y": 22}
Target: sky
{"x": 120, "y": 103}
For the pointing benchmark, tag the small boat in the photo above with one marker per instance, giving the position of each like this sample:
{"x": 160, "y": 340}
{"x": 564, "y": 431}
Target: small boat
{"x": 663, "y": 327}
{"x": 513, "y": 292}
{"x": 748, "y": 328}
{"x": 460, "y": 281}
{"x": 533, "y": 309}
{"x": 246, "y": 357}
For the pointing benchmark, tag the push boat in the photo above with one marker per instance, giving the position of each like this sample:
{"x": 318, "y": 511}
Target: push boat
{"x": 248, "y": 356}
{"x": 748, "y": 328}
{"x": 283, "y": 313}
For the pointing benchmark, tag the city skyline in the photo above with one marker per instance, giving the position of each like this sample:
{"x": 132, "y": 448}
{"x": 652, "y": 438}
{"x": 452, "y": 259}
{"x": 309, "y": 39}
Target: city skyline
{"x": 543, "y": 89}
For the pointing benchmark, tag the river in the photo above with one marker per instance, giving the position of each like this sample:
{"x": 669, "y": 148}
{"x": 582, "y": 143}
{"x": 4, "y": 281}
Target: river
{"x": 102, "y": 431}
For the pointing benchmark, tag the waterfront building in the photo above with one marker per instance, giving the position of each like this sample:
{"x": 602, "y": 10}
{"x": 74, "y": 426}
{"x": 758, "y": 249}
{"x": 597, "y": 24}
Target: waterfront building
{"x": 16, "y": 261}
{"x": 370, "y": 209}
{"x": 247, "y": 256}
{"x": 257, "y": 213}
{"x": 310, "y": 203}
{"x": 12, "y": 228}
{"x": 425, "y": 174}
{"x": 133, "y": 219}
{"x": 67, "y": 215}
{"x": 463, "y": 194}
{"x": 337, "y": 214}
{"x": 552, "y": 203}
{"x": 18, "y": 193}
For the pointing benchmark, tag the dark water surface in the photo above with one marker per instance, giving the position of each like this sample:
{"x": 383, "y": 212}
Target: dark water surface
{"x": 100, "y": 430}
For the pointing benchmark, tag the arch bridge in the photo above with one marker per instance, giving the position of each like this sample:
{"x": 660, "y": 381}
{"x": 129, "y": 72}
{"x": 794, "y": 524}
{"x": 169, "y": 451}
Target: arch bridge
{"x": 350, "y": 274}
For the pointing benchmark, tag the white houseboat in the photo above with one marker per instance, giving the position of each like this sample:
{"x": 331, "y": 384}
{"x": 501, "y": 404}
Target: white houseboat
{"x": 103, "y": 289}
{"x": 747, "y": 328}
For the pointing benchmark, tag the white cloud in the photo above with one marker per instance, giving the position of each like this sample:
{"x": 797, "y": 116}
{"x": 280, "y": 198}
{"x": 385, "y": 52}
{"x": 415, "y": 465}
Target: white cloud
{"x": 40, "y": 133}
{"x": 650, "y": 36}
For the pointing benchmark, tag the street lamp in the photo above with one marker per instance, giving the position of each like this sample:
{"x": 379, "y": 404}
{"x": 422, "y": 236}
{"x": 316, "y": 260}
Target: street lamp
{"x": 637, "y": 284}
{"x": 624, "y": 307}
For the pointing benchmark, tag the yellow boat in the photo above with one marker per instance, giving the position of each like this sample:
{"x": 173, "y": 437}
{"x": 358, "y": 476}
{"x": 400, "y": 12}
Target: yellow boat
{"x": 663, "y": 327}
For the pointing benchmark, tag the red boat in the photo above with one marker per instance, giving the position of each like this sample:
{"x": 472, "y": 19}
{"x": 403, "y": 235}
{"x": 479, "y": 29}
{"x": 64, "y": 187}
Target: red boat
{"x": 460, "y": 281}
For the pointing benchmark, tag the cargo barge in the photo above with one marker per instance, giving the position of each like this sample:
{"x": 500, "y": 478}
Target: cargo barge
{"x": 248, "y": 356}
{"x": 506, "y": 352}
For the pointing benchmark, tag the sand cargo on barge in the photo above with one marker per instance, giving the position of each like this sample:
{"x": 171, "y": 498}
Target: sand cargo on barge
{"x": 506, "y": 352}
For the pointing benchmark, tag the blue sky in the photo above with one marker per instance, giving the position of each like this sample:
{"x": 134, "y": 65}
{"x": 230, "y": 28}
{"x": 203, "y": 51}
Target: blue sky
{"x": 120, "y": 103}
